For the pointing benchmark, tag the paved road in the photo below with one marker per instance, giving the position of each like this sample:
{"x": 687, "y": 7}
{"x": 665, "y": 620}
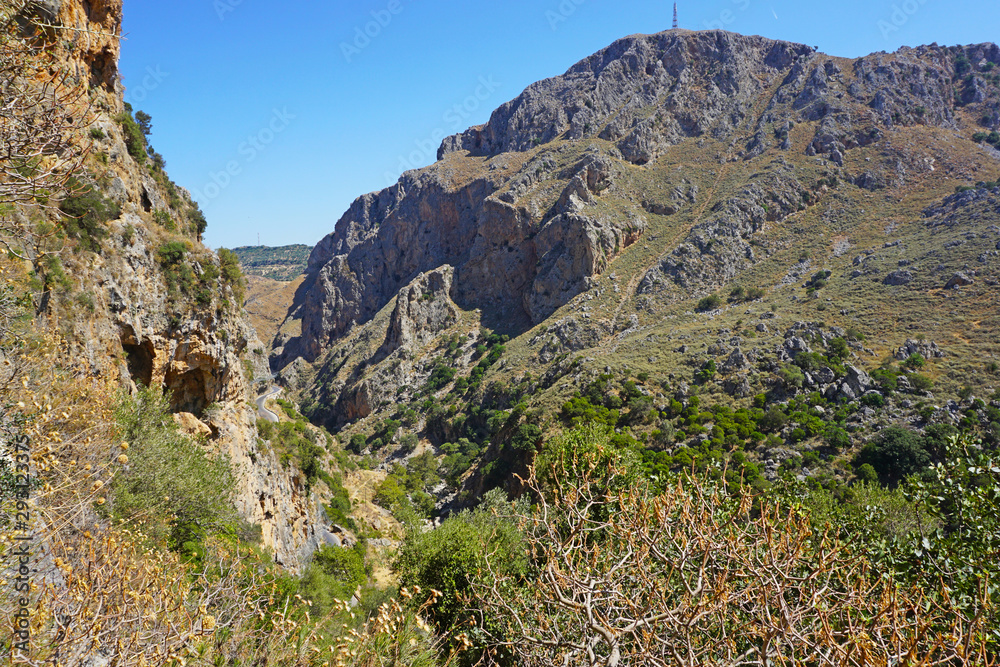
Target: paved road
{"x": 264, "y": 413}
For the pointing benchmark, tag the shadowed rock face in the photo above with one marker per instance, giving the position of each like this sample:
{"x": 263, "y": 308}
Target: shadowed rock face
{"x": 519, "y": 257}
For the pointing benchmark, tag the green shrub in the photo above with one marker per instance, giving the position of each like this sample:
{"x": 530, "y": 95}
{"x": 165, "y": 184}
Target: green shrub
{"x": 441, "y": 376}
{"x": 792, "y": 376}
{"x": 837, "y": 438}
{"x": 839, "y": 348}
{"x": 232, "y": 274}
{"x": 707, "y": 372}
{"x": 452, "y": 557}
{"x": 389, "y": 494}
{"x": 408, "y": 443}
{"x": 333, "y": 573}
{"x": 710, "y": 302}
{"x": 163, "y": 219}
{"x": 873, "y": 400}
{"x": 920, "y": 382}
{"x": 52, "y": 273}
{"x": 87, "y": 211}
{"x": 866, "y": 474}
{"x": 171, "y": 253}
{"x": 170, "y": 486}
{"x": 886, "y": 378}
{"x": 357, "y": 443}
{"x": 855, "y": 335}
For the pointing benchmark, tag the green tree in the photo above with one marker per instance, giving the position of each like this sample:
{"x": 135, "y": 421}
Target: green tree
{"x": 895, "y": 454}
{"x": 135, "y": 140}
{"x": 145, "y": 123}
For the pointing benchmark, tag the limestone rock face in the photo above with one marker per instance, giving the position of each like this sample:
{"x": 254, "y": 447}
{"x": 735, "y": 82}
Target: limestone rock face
{"x": 96, "y": 40}
{"x": 422, "y": 309}
{"x": 268, "y": 494}
{"x": 509, "y": 257}
{"x": 614, "y": 89}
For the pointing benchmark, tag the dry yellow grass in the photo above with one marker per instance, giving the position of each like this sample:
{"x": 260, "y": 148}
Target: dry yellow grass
{"x": 267, "y": 304}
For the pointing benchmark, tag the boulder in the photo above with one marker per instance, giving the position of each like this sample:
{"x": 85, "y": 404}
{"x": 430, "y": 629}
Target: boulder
{"x": 960, "y": 279}
{"x": 825, "y": 375}
{"x": 901, "y": 277}
{"x": 858, "y": 380}
{"x": 926, "y": 349}
{"x": 191, "y": 425}
{"x": 736, "y": 361}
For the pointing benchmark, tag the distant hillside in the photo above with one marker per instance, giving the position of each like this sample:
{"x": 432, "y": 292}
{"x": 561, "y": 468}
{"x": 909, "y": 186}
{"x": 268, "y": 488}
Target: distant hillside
{"x": 283, "y": 263}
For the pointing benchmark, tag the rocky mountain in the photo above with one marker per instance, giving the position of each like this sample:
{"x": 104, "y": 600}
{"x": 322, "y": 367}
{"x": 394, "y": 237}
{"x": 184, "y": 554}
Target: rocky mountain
{"x": 543, "y": 197}
{"x": 704, "y": 187}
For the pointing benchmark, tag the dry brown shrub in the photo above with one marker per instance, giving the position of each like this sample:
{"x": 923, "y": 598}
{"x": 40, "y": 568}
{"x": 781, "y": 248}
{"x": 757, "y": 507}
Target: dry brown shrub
{"x": 692, "y": 576}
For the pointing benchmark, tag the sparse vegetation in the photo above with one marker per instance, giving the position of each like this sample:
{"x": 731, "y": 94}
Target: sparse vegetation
{"x": 280, "y": 263}
{"x": 135, "y": 140}
{"x": 87, "y": 211}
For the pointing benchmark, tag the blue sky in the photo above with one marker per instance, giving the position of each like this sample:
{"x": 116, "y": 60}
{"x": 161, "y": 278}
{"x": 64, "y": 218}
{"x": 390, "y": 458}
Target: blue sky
{"x": 277, "y": 114}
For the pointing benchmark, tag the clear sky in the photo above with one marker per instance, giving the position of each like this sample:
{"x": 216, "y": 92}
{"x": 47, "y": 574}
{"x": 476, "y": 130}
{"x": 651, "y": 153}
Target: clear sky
{"x": 277, "y": 114}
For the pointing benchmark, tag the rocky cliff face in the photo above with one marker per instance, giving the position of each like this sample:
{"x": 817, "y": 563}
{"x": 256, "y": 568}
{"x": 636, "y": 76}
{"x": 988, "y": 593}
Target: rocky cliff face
{"x": 140, "y": 299}
{"x": 532, "y": 206}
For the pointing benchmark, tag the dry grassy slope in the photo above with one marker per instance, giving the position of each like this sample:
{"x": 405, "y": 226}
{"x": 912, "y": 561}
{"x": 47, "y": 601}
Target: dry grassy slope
{"x": 267, "y": 303}
{"x": 846, "y": 223}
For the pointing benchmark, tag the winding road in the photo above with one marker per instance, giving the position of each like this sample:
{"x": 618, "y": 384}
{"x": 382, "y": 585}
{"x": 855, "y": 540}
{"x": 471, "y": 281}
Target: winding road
{"x": 264, "y": 413}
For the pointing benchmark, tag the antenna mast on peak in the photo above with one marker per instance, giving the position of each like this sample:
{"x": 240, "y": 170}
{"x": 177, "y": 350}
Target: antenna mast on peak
{"x": 675, "y": 16}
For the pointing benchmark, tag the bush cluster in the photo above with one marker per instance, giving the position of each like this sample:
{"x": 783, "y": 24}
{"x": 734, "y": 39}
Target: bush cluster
{"x": 87, "y": 211}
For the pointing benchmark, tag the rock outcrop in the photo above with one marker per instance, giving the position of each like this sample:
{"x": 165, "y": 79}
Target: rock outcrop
{"x": 422, "y": 309}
